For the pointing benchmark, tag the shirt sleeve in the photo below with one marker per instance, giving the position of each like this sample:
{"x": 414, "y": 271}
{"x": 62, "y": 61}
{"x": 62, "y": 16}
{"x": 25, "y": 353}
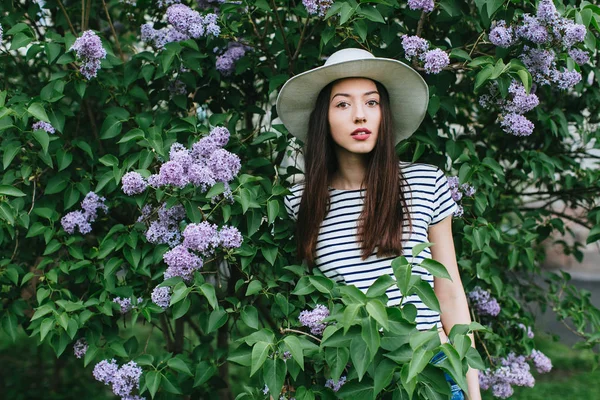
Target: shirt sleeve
{"x": 443, "y": 204}
{"x": 287, "y": 202}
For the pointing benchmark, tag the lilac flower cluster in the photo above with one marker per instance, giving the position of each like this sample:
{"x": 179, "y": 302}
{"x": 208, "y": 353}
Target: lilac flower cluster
{"x": 512, "y": 109}
{"x": 425, "y": 5}
{"x": 317, "y": 6}
{"x": 181, "y": 262}
{"x": 80, "y": 348}
{"x": 165, "y": 229}
{"x": 434, "y": 60}
{"x": 457, "y": 191}
{"x": 185, "y": 24}
{"x": 225, "y": 63}
{"x": 89, "y": 50}
{"x": 82, "y": 219}
{"x": 202, "y": 166}
{"x": 161, "y": 296}
{"x": 123, "y": 379}
{"x": 314, "y": 319}
{"x": 512, "y": 371}
{"x": 43, "y": 125}
{"x": 133, "y": 183}
{"x": 554, "y": 33}
{"x": 166, "y": 3}
{"x": 335, "y": 386}
{"x": 483, "y": 302}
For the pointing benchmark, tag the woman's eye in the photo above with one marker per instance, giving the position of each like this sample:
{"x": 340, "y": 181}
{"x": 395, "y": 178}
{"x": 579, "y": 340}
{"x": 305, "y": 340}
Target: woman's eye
{"x": 372, "y": 103}
{"x": 342, "y": 104}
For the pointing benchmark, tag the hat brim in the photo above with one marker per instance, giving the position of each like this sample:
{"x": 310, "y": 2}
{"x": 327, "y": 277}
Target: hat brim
{"x": 408, "y": 92}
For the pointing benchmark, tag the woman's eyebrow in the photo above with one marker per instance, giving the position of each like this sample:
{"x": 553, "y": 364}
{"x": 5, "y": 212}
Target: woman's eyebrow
{"x": 347, "y": 95}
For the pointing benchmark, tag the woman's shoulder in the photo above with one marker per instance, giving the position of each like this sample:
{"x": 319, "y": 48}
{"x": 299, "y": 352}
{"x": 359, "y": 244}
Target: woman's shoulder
{"x": 410, "y": 169}
{"x": 295, "y": 191}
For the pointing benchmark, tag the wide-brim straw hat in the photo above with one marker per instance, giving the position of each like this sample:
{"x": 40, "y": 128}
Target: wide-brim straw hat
{"x": 407, "y": 90}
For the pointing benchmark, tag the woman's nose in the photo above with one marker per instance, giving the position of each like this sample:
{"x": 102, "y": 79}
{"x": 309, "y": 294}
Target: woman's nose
{"x": 359, "y": 115}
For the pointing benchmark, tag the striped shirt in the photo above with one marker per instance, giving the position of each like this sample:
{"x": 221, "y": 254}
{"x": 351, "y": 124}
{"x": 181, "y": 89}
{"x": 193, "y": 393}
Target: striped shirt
{"x": 338, "y": 253}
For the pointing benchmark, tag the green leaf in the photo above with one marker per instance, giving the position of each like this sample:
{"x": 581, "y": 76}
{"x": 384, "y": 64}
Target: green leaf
{"x": 249, "y": 315}
{"x": 295, "y": 348}
{"x": 217, "y": 319}
{"x": 216, "y": 190}
{"x": 418, "y": 362}
{"x": 204, "y": 371}
{"x": 63, "y": 159}
{"x": 274, "y": 373}
{"x": 209, "y": 292}
{"x": 179, "y": 365}
{"x": 474, "y": 359}
{"x": 153, "y": 382}
{"x": 380, "y": 286}
{"x": 419, "y": 248}
{"x": 376, "y": 310}
{"x": 460, "y": 54}
{"x": 436, "y": 268}
{"x": 10, "y": 325}
{"x": 594, "y": 235}
{"x": 336, "y": 358}
{"x": 20, "y": 40}
{"x": 371, "y": 336}
{"x": 402, "y": 271}
{"x": 42, "y": 138}
{"x": 384, "y": 372}
{"x": 6, "y": 190}
{"x": 272, "y": 210}
{"x": 322, "y": 284}
{"x": 349, "y": 316}
{"x": 253, "y": 288}
{"x": 260, "y": 351}
{"x": 425, "y": 292}
{"x": 10, "y": 151}
{"x": 56, "y": 184}
{"x": 359, "y": 356}
{"x": 346, "y": 12}
{"x": 371, "y": 13}
{"x": 37, "y": 111}
{"x": 482, "y": 76}
{"x": 134, "y": 134}
{"x": 45, "y": 327}
{"x": 7, "y": 213}
{"x": 110, "y": 128}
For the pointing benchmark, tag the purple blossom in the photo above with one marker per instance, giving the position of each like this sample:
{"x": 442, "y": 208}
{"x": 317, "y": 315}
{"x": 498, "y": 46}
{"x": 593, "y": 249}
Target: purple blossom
{"x": 541, "y": 362}
{"x": 76, "y": 219}
{"x": 435, "y": 61}
{"x": 201, "y": 237}
{"x": 483, "y": 302}
{"x": 530, "y": 334}
{"x": 459, "y": 211}
{"x": 317, "y": 6}
{"x": 566, "y": 79}
{"x": 467, "y": 189}
{"x": 425, "y": 5}
{"x": 521, "y": 102}
{"x": 166, "y": 3}
{"x": 126, "y": 378}
{"x": 90, "y": 205}
{"x": 159, "y": 38}
{"x": 414, "y": 46}
{"x": 161, "y": 296}
{"x": 80, "y": 348}
{"x": 201, "y": 176}
{"x": 133, "y": 183}
{"x": 540, "y": 63}
{"x": 173, "y": 173}
{"x": 125, "y": 304}
{"x": 220, "y": 135}
{"x": 517, "y": 125}
{"x": 314, "y": 319}
{"x": 225, "y": 63}
{"x": 286, "y": 355}
{"x": 210, "y": 24}
{"x": 532, "y": 30}
{"x": 166, "y": 228}
{"x": 203, "y": 149}
{"x": 546, "y": 12}
{"x": 185, "y": 20}
{"x": 88, "y": 48}
{"x": 502, "y": 390}
{"x": 230, "y": 237}
{"x": 574, "y": 33}
{"x": 43, "y": 125}
{"x": 335, "y": 386}
{"x": 512, "y": 371}
{"x": 180, "y": 155}
{"x": 136, "y": 397}
{"x": 501, "y": 36}
{"x": 105, "y": 371}
{"x": 181, "y": 263}
{"x": 579, "y": 56}
{"x": 224, "y": 165}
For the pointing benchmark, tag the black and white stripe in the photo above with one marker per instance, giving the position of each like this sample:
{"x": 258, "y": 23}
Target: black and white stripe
{"x": 338, "y": 253}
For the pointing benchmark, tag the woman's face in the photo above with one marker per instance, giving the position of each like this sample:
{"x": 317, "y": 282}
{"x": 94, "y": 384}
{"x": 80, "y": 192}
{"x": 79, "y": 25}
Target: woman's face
{"x": 354, "y": 115}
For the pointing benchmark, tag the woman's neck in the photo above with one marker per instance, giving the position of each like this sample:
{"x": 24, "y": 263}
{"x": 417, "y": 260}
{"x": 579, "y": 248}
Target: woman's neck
{"x": 351, "y": 171}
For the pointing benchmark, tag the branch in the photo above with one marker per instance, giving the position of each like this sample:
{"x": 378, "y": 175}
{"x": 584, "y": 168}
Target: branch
{"x": 67, "y": 17}
{"x": 301, "y": 40}
{"x": 420, "y": 24}
{"x": 112, "y": 28}
{"x": 563, "y": 215}
{"x": 287, "y": 330}
{"x": 280, "y": 25}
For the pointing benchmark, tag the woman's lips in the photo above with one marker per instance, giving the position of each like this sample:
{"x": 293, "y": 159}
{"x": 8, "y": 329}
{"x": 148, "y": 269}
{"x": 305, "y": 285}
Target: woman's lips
{"x": 361, "y": 134}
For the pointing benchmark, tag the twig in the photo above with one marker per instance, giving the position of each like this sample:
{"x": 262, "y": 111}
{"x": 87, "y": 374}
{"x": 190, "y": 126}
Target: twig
{"x": 286, "y": 330}
{"x": 565, "y": 216}
{"x": 280, "y": 25}
{"x": 16, "y": 245}
{"x": 112, "y": 28}
{"x": 148, "y": 340}
{"x": 82, "y": 15}
{"x": 87, "y": 13}
{"x": 421, "y": 23}
{"x": 67, "y": 17}
{"x": 301, "y": 40}
{"x": 489, "y": 356}
{"x": 475, "y": 44}
{"x": 32, "y": 197}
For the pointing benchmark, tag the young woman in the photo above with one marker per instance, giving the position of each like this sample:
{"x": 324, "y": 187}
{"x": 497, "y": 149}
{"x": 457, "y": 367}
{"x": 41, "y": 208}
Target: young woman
{"x": 359, "y": 207}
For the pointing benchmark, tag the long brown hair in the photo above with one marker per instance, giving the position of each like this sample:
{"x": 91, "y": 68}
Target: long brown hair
{"x": 380, "y": 222}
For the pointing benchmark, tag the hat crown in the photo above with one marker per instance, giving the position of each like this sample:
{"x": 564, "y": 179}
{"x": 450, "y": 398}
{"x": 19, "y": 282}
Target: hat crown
{"x": 344, "y": 55}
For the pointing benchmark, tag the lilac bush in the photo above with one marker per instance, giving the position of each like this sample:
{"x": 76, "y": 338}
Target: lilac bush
{"x": 89, "y": 50}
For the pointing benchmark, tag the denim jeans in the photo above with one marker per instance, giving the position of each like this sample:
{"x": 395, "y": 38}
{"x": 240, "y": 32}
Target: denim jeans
{"x": 457, "y": 393}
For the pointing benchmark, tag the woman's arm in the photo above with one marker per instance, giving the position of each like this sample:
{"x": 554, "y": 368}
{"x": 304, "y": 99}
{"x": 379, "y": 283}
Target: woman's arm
{"x": 451, "y": 294}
